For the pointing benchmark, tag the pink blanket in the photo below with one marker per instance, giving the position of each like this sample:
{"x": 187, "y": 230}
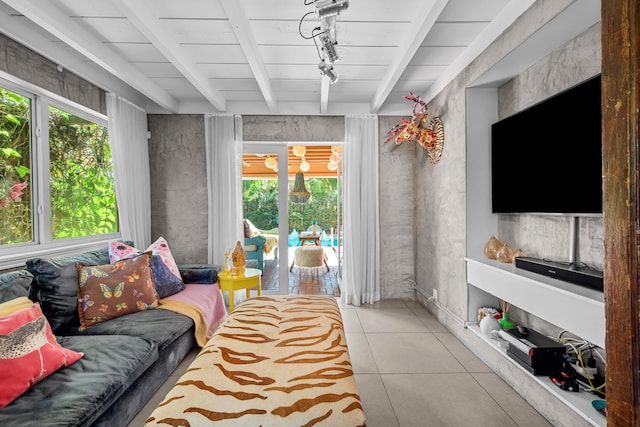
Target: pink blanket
{"x": 203, "y": 303}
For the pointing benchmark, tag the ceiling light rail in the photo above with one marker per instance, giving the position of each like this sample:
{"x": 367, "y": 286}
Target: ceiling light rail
{"x": 326, "y": 12}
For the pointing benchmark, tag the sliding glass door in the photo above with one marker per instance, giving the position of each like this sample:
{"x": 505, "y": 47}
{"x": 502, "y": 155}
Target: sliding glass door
{"x": 265, "y": 188}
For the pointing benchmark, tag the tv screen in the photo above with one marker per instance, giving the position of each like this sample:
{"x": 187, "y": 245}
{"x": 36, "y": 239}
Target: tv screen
{"x": 547, "y": 159}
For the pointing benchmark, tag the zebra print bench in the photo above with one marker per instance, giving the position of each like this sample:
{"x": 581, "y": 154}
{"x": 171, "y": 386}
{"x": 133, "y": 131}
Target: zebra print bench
{"x": 275, "y": 361}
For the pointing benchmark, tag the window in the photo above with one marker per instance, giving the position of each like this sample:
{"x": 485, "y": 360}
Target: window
{"x": 83, "y": 197}
{"x": 56, "y": 180}
{"x": 15, "y": 168}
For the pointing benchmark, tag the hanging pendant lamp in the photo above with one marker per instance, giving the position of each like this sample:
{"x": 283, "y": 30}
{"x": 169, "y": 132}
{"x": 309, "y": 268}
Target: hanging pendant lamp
{"x": 299, "y": 194}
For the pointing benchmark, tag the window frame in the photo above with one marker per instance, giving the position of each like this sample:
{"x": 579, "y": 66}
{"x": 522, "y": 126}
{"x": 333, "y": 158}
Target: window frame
{"x": 43, "y": 244}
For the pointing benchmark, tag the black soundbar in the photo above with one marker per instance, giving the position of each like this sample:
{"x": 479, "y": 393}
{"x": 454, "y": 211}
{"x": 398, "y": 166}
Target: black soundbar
{"x": 580, "y": 275}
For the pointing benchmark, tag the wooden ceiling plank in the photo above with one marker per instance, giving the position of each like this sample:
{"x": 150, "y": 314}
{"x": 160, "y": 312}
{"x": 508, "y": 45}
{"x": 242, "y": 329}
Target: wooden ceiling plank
{"x": 52, "y": 19}
{"x": 425, "y": 16}
{"x": 240, "y": 25}
{"x": 141, "y": 14}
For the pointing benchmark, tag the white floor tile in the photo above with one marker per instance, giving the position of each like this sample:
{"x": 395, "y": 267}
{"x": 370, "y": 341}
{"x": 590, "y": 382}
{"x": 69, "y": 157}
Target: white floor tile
{"x": 360, "y": 354}
{"x": 521, "y": 412}
{"x": 449, "y": 400}
{"x": 390, "y": 320}
{"x": 375, "y": 401}
{"x": 470, "y": 361}
{"x": 426, "y": 317}
{"x": 411, "y": 353}
{"x": 351, "y": 321}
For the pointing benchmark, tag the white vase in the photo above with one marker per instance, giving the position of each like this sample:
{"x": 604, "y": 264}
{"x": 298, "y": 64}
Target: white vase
{"x": 488, "y": 324}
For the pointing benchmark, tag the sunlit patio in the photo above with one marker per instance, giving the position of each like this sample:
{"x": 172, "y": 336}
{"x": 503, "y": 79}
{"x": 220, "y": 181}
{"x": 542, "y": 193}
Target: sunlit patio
{"x": 303, "y": 280}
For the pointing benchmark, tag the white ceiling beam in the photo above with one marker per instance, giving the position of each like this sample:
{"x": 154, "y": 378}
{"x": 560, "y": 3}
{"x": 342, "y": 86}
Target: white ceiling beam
{"x": 240, "y": 24}
{"x": 324, "y": 93}
{"x": 15, "y": 28}
{"x": 425, "y": 16}
{"x": 142, "y": 16}
{"x": 46, "y": 15}
{"x": 498, "y": 25}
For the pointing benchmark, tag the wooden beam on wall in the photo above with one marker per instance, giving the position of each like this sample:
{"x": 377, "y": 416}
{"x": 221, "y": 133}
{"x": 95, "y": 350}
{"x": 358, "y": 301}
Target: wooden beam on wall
{"x": 620, "y": 56}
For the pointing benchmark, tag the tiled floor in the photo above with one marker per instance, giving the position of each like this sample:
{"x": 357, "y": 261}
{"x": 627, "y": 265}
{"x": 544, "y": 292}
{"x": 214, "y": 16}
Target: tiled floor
{"x": 411, "y": 371}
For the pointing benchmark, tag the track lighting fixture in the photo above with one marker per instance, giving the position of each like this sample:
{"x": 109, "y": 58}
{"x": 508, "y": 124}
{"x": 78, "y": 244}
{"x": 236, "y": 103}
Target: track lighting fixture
{"x": 329, "y": 49}
{"x": 327, "y": 70}
{"x": 330, "y": 7}
{"x": 326, "y": 12}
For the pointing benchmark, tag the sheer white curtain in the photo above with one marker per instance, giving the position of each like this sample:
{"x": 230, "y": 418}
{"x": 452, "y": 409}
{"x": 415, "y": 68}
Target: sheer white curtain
{"x": 223, "y": 139}
{"x": 361, "y": 272}
{"x": 130, "y": 154}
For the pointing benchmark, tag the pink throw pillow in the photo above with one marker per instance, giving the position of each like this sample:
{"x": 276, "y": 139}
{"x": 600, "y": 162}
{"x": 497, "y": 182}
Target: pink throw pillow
{"x": 29, "y": 352}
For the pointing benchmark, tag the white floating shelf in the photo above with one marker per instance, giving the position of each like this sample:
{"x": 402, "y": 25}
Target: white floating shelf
{"x": 577, "y": 309}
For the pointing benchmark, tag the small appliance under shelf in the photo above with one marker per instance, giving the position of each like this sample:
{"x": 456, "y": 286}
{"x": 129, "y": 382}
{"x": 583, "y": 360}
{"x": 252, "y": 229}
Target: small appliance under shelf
{"x": 580, "y": 402}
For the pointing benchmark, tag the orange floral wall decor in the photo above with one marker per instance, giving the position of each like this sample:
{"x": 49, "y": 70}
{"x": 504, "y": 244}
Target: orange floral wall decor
{"x": 429, "y": 133}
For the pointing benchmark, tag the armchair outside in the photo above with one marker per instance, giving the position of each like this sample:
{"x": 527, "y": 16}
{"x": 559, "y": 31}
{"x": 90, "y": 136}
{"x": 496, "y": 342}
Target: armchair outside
{"x": 254, "y": 249}
{"x": 257, "y": 244}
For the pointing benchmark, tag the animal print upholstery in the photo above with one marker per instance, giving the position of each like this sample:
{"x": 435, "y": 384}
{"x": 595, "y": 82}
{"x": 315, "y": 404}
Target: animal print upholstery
{"x": 275, "y": 361}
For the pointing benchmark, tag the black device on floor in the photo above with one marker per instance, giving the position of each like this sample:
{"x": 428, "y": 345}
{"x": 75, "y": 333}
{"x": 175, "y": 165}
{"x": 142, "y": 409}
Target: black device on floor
{"x": 566, "y": 379}
{"x": 536, "y": 352}
{"x": 580, "y": 275}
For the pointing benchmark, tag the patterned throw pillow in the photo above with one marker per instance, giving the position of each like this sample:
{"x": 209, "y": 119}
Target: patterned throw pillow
{"x": 29, "y": 351}
{"x": 165, "y": 271}
{"x": 113, "y": 290}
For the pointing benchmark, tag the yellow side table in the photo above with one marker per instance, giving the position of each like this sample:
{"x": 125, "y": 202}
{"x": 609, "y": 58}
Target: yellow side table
{"x": 248, "y": 280}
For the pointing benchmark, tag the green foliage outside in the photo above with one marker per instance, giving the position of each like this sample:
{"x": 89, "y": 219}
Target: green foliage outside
{"x": 82, "y": 186}
{"x": 81, "y": 180}
{"x": 260, "y": 204}
{"x": 15, "y": 188}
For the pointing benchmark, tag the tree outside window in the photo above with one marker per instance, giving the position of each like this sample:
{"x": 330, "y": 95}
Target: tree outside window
{"x": 82, "y": 200}
{"x": 82, "y": 186}
{"x": 15, "y": 157}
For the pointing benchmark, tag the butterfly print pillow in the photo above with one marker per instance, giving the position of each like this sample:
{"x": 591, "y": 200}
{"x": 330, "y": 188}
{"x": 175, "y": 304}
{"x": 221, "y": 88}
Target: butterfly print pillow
{"x": 112, "y": 290}
{"x": 166, "y": 275}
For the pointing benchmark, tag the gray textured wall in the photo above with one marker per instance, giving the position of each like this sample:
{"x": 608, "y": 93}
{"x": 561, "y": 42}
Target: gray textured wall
{"x": 179, "y": 205}
{"x": 397, "y": 214}
{"x": 31, "y": 67}
{"x": 293, "y": 128}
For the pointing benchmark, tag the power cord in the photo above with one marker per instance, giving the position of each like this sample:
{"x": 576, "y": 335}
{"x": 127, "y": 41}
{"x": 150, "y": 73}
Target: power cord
{"x": 578, "y": 347}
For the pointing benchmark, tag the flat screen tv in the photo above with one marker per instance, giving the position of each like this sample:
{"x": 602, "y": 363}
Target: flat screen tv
{"x": 547, "y": 159}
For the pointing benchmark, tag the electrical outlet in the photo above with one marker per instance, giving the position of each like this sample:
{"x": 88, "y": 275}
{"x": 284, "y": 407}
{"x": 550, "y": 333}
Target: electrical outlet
{"x": 435, "y": 294}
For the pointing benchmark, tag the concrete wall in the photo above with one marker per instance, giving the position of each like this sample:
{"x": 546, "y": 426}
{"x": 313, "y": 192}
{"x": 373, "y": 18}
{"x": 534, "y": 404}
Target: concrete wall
{"x": 293, "y": 128}
{"x": 397, "y": 214}
{"x": 179, "y": 205}
{"x": 33, "y": 68}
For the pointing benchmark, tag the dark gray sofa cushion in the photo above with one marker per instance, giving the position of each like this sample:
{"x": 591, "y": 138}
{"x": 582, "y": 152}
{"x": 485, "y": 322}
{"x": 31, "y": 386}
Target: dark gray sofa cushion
{"x": 126, "y": 408}
{"x": 55, "y": 286}
{"x": 14, "y": 284}
{"x": 159, "y": 325}
{"x": 78, "y": 394}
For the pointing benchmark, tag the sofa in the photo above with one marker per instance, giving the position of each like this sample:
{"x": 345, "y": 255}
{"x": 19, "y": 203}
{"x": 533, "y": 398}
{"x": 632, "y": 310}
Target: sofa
{"x": 257, "y": 244}
{"x": 124, "y": 360}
